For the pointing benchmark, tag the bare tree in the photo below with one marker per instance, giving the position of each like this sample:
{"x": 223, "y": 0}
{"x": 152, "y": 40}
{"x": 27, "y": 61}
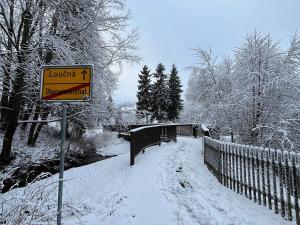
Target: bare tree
{"x": 64, "y": 33}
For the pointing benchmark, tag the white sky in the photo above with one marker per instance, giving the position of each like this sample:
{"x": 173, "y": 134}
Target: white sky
{"x": 169, "y": 29}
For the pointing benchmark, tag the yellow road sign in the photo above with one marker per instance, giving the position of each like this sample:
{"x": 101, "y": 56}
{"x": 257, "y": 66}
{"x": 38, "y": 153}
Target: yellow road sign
{"x": 66, "y": 83}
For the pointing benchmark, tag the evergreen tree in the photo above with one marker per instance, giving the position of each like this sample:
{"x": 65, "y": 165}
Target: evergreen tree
{"x": 159, "y": 93}
{"x": 174, "y": 95}
{"x": 144, "y": 90}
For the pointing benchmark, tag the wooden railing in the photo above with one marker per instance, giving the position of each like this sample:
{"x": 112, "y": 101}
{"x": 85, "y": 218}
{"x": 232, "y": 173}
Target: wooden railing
{"x": 266, "y": 176}
{"x": 185, "y": 130}
{"x": 143, "y": 137}
{"x": 120, "y": 128}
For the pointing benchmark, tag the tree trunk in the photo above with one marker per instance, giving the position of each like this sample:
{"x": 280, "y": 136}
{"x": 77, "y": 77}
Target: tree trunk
{"x": 7, "y": 70}
{"x": 15, "y": 99}
{"x": 25, "y": 117}
{"x": 4, "y": 100}
{"x": 5, "y": 156}
{"x": 15, "y": 105}
{"x": 39, "y": 128}
{"x": 33, "y": 125}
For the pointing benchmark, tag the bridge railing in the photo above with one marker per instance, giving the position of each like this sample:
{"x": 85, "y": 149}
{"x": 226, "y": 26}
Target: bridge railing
{"x": 143, "y": 137}
{"x": 266, "y": 176}
{"x": 185, "y": 130}
{"x": 122, "y": 128}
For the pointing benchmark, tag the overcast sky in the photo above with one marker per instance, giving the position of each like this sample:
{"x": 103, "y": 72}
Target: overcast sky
{"x": 169, "y": 29}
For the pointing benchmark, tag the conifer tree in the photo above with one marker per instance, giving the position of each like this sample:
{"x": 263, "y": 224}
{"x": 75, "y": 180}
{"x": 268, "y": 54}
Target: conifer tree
{"x": 144, "y": 90}
{"x": 174, "y": 95}
{"x": 159, "y": 93}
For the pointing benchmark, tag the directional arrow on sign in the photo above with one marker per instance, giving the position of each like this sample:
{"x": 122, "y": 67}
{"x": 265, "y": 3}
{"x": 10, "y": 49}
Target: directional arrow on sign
{"x": 70, "y": 83}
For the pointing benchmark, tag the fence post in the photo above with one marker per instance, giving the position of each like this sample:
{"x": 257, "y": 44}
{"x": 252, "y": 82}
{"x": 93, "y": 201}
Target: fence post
{"x": 263, "y": 157}
{"x": 268, "y": 158}
{"x": 220, "y": 162}
{"x": 233, "y": 166}
{"x": 244, "y": 175}
{"x": 238, "y": 167}
{"x": 295, "y": 191}
{"x": 132, "y": 148}
{"x": 258, "y": 154}
{"x": 274, "y": 169}
{"x": 194, "y": 128}
{"x": 281, "y": 181}
{"x": 249, "y": 173}
{"x": 253, "y": 159}
{"x": 230, "y": 164}
{"x": 227, "y": 165}
{"x": 288, "y": 185}
{"x": 241, "y": 154}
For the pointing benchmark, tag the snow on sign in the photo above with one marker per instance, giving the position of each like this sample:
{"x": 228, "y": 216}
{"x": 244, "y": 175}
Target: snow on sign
{"x": 66, "y": 83}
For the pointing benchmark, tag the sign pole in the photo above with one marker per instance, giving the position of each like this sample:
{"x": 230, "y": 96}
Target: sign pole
{"x": 62, "y": 162}
{"x": 65, "y": 84}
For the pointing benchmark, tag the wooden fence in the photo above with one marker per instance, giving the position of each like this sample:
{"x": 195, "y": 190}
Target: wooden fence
{"x": 143, "y": 137}
{"x": 185, "y": 130}
{"x": 120, "y": 128}
{"x": 266, "y": 176}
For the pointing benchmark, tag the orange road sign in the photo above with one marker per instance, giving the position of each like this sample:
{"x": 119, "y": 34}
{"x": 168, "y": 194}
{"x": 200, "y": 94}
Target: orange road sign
{"x": 66, "y": 83}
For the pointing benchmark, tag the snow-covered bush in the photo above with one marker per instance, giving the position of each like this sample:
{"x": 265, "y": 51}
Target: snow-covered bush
{"x": 99, "y": 139}
{"x": 36, "y": 204}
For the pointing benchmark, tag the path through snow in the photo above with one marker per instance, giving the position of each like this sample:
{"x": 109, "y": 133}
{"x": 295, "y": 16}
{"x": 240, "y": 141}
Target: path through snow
{"x": 168, "y": 185}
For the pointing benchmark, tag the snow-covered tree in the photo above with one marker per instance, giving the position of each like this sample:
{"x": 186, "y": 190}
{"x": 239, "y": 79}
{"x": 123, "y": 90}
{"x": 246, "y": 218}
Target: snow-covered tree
{"x": 68, "y": 32}
{"x": 254, "y": 94}
{"x": 174, "y": 95}
{"x": 159, "y": 93}
{"x": 208, "y": 89}
{"x": 144, "y": 91}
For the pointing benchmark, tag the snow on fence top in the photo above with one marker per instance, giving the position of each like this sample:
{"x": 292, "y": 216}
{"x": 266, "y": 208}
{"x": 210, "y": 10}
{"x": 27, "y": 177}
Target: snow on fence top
{"x": 269, "y": 177}
{"x": 204, "y": 128}
{"x": 141, "y": 128}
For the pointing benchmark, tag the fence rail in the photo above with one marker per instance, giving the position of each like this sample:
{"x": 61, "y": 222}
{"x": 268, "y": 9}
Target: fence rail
{"x": 266, "y": 176}
{"x": 185, "y": 130}
{"x": 120, "y": 128}
{"x": 143, "y": 137}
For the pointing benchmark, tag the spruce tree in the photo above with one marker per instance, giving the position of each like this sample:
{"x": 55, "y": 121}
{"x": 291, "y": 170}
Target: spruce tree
{"x": 144, "y": 90}
{"x": 159, "y": 93}
{"x": 174, "y": 95}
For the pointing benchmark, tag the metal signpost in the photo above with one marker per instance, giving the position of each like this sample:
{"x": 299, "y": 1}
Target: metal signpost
{"x": 65, "y": 84}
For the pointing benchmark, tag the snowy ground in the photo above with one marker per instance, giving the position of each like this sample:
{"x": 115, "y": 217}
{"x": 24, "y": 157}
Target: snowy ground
{"x": 47, "y": 147}
{"x": 168, "y": 185}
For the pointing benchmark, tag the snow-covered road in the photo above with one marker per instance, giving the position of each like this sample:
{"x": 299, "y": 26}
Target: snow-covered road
{"x": 168, "y": 185}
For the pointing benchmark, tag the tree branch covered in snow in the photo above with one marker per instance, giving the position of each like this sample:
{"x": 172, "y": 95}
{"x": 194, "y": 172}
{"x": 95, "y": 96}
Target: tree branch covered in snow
{"x": 254, "y": 93}
{"x": 35, "y": 33}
